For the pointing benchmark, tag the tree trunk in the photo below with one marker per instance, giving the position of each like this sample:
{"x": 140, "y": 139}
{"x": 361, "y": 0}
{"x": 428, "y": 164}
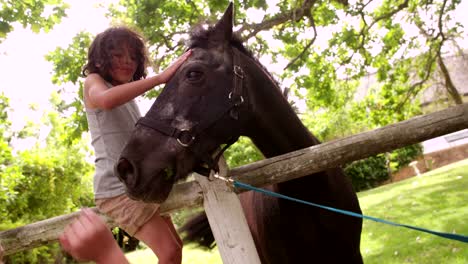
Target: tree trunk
{"x": 449, "y": 86}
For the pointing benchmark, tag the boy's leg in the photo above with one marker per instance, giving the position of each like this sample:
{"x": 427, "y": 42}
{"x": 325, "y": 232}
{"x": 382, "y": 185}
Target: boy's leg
{"x": 168, "y": 220}
{"x": 159, "y": 234}
{"x": 143, "y": 221}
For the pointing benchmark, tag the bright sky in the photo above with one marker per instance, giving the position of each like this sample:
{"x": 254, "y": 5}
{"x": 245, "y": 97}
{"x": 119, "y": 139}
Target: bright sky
{"x": 26, "y": 74}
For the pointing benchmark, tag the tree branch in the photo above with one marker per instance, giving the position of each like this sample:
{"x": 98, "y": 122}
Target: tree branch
{"x": 449, "y": 86}
{"x": 441, "y": 31}
{"x": 413, "y": 88}
{"x": 292, "y": 15}
{"x": 365, "y": 29}
{"x": 307, "y": 47}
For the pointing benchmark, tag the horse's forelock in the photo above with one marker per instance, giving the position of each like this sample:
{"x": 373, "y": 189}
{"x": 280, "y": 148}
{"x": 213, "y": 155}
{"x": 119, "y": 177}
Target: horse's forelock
{"x": 200, "y": 36}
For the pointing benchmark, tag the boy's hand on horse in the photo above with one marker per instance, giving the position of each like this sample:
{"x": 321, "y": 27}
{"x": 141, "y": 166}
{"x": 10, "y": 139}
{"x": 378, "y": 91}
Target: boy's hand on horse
{"x": 166, "y": 75}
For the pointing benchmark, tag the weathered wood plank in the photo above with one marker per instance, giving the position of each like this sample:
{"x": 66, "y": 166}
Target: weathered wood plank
{"x": 334, "y": 153}
{"x": 47, "y": 231}
{"x": 278, "y": 169}
{"x": 227, "y": 220}
{"x": 36, "y": 234}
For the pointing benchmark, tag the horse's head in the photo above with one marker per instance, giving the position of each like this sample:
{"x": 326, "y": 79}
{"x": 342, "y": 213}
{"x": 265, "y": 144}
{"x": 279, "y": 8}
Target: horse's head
{"x": 197, "y": 111}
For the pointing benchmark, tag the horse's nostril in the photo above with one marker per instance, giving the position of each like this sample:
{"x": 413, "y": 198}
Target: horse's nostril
{"x": 124, "y": 169}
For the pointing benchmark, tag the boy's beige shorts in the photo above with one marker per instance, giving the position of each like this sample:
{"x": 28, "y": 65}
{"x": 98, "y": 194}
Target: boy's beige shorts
{"x": 130, "y": 215}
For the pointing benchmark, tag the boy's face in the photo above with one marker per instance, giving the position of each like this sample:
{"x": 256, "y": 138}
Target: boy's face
{"x": 124, "y": 65}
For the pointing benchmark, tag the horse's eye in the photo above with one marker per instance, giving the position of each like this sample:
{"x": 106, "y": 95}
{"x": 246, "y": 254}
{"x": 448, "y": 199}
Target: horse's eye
{"x": 194, "y": 75}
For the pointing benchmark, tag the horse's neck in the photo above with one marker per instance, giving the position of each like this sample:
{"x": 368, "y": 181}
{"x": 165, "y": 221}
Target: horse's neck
{"x": 275, "y": 128}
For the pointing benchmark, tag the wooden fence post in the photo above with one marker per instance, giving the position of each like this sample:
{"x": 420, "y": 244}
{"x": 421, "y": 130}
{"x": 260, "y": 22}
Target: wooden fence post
{"x": 227, "y": 220}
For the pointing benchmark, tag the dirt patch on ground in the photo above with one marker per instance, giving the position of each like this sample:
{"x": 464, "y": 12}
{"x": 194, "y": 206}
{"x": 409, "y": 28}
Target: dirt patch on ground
{"x": 432, "y": 161}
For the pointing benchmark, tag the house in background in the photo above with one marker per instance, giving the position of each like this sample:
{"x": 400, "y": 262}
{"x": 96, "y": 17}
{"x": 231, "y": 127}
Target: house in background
{"x": 457, "y": 66}
{"x": 446, "y": 149}
{"x": 434, "y": 98}
{"x": 445, "y": 142}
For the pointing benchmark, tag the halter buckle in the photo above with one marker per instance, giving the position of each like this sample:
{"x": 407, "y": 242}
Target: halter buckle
{"x": 179, "y": 138}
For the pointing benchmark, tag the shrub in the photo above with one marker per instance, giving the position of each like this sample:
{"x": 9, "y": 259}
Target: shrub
{"x": 367, "y": 173}
{"x": 373, "y": 171}
{"x": 403, "y": 156}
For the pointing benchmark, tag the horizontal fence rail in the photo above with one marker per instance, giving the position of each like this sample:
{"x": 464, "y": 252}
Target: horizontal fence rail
{"x": 274, "y": 170}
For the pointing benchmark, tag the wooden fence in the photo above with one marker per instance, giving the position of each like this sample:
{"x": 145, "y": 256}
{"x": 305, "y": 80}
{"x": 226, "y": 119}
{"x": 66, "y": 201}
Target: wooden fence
{"x": 221, "y": 204}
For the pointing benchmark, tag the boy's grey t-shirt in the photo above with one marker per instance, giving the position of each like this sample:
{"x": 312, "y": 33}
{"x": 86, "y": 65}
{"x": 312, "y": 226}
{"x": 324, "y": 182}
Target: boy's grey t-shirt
{"x": 110, "y": 130}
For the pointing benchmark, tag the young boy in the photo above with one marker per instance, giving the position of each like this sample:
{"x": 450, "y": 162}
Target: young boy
{"x": 115, "y": 75}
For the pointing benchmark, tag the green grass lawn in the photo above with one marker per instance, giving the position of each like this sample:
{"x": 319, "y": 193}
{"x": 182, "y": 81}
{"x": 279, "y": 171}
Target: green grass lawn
{"x": 437, "y": 200}
{"x": 190, "y": 255}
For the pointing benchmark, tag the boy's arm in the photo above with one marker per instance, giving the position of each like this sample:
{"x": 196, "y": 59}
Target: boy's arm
{"x": 97, "y": 94}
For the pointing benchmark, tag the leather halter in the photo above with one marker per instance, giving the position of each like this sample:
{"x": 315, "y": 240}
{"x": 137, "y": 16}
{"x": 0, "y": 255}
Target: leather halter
{"x": 188, "y": 137}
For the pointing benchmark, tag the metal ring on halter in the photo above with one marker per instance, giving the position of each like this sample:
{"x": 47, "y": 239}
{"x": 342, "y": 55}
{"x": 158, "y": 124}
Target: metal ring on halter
{"x": 183, "y": 144}
{"x": 240, "y": 98}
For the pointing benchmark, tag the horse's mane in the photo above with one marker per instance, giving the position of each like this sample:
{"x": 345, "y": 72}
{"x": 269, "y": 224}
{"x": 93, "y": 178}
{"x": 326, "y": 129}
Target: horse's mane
{"x": 199, "y": 37}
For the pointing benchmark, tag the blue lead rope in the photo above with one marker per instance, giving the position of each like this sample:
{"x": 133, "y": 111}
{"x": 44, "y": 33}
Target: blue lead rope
{"x": 461, "y": 238}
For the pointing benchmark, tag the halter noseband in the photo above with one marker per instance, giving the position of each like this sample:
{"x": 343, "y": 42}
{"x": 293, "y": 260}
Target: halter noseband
{"x": 187, "y": 137}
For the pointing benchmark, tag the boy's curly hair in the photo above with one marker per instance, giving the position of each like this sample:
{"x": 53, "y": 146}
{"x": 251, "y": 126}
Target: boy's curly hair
{"x": 100, "y": 56}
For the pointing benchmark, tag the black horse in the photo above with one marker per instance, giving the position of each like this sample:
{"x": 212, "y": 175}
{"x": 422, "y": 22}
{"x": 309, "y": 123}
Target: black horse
{"x": 219, "y": 93}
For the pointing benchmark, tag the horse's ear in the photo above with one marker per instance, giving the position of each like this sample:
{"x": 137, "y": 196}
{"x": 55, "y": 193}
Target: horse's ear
{"x": 223, "y": 28}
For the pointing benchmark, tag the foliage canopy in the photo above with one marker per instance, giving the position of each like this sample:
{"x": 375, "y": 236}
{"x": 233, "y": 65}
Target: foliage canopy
{"x": 37, "y": 14}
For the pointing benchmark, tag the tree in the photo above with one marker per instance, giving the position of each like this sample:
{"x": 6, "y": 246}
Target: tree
{"x": 7, "y": 184}
{"x": 38, "y": 14}
{"x": 67, "y": 68}
{"x": 437, "y": 34}
{"x": 50, "y": 178}
{"x": 325, "y": 48}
